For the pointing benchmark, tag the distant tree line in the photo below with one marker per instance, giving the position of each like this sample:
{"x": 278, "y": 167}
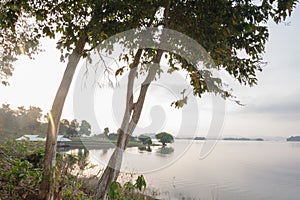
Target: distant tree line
{"x": 112, "y": 136}
{"x": 74, "y": 128}
{"x": 15, "y": 122}
{"x": 20, "y": 121}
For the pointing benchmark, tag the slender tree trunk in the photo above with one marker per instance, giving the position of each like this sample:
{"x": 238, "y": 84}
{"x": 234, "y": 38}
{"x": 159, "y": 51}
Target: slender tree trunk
{"x": 47, "y": 185}
{"x": 131, "y": 117}
{"x": 130, "y": 120}
{"x": 112, "y": 170}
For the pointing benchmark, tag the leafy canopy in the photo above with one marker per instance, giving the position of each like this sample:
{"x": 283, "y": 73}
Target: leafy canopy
{"x": 234, "y": 34}
{"x": 224, "y": 28}
{"x": 85, "y": 128}
{"x": 164, "y": 138}
{"x": 145, "y": 139}
{"x": 24, "y": 23}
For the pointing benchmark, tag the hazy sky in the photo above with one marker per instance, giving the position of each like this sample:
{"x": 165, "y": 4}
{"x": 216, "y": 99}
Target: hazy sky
{"x": 272, "y": 108}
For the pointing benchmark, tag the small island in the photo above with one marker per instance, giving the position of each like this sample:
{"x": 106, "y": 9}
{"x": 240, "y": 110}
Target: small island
{"x": 293, "y": 139}
{"x": 244, "y": 139}
{"x": 199, "y": 138}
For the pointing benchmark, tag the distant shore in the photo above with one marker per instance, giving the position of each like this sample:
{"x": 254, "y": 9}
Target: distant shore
{"x": 293, "y": 139}
{"x": 97, "y": 143}
{"x": 226, "y": 138}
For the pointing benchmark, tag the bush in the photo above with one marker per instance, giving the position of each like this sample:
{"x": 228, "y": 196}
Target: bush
{"x": 128, "y": 190}
{"x": 19, "y": 175}
{"x": 21, "y": 172}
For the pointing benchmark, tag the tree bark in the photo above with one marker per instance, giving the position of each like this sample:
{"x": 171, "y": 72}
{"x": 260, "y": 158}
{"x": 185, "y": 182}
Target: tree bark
{"x": 130, "y": 120}
{"x": 131, "y": 117}
{"x": 46, "y": 191}
{"x": 112, "y": 170}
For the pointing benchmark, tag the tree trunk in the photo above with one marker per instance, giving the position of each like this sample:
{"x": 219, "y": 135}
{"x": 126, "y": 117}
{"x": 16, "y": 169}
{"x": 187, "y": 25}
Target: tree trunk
{"x": 129, "y": 123}
{"x": 131, "y": 117}
{"x": 112, "y": 170}
{"x": 47, "y": 185}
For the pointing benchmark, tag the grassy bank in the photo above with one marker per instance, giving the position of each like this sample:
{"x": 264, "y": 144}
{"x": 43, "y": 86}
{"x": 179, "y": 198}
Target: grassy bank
{"x": 21, "y": 170}
{"x": 94, "y": 143}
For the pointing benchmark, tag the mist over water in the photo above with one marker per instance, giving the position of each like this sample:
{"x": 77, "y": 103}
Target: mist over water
{"x": 234, "y": 170}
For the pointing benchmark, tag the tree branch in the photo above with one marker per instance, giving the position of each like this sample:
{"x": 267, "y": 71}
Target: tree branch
{"x": 150, "y": 77}
{"x": 129, "y": 99}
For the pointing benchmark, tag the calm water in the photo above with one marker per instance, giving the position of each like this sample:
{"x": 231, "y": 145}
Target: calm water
{"x": 234, "y": 170}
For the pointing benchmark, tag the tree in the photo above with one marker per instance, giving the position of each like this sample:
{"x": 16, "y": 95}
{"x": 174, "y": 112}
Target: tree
{"x": 77, "y": 23}
{"x": 8, "y": 121}
{"x": 145, "y": 139}
{"x": 20, "y": 121}
{"x": 29, "y": 119}
{"x": 73, "y": 128}
{"x": 64, "y": 125}
{"x": 85, "y": 128}
{"x": 106, "y": 131}
{"x": 164, "y": 138}
{"x": 113, "y": 136}
{"x": 14, "y": 41}
{"x": 223, "y": 28}
{"x": 33, "y": 115}
{"x": 44, "y": 19}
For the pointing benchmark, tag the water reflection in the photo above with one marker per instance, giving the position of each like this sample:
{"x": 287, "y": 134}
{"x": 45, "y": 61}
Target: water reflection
{"x": 233, "y": 171}
{"x": 104, "y": 151}
{"x": 144, "y": 148}
{"x": 294, "y": 144}
{"x": 82, "y": 153}
{"x": 163, "y": 151}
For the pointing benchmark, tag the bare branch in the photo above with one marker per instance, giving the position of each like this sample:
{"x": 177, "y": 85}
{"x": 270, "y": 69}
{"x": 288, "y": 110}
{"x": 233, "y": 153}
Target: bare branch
{"x": 145, "y": 85}
{"x": 129, "y": 100}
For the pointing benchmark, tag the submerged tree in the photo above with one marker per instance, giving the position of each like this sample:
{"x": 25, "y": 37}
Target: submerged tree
{"x": 145, "y": 139}
{"x": 164, "y": 138}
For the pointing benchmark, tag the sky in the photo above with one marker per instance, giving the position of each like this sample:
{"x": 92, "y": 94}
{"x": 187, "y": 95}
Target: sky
{"x": 271, "y": 108}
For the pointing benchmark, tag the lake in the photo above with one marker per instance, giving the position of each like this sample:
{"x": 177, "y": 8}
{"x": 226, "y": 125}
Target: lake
{"x": 234, "y": 170}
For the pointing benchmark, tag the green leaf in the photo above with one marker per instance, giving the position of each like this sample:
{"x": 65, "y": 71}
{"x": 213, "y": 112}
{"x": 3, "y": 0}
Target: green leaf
{"x": 115, "y": 190}
{"x": 140, "y": 183}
